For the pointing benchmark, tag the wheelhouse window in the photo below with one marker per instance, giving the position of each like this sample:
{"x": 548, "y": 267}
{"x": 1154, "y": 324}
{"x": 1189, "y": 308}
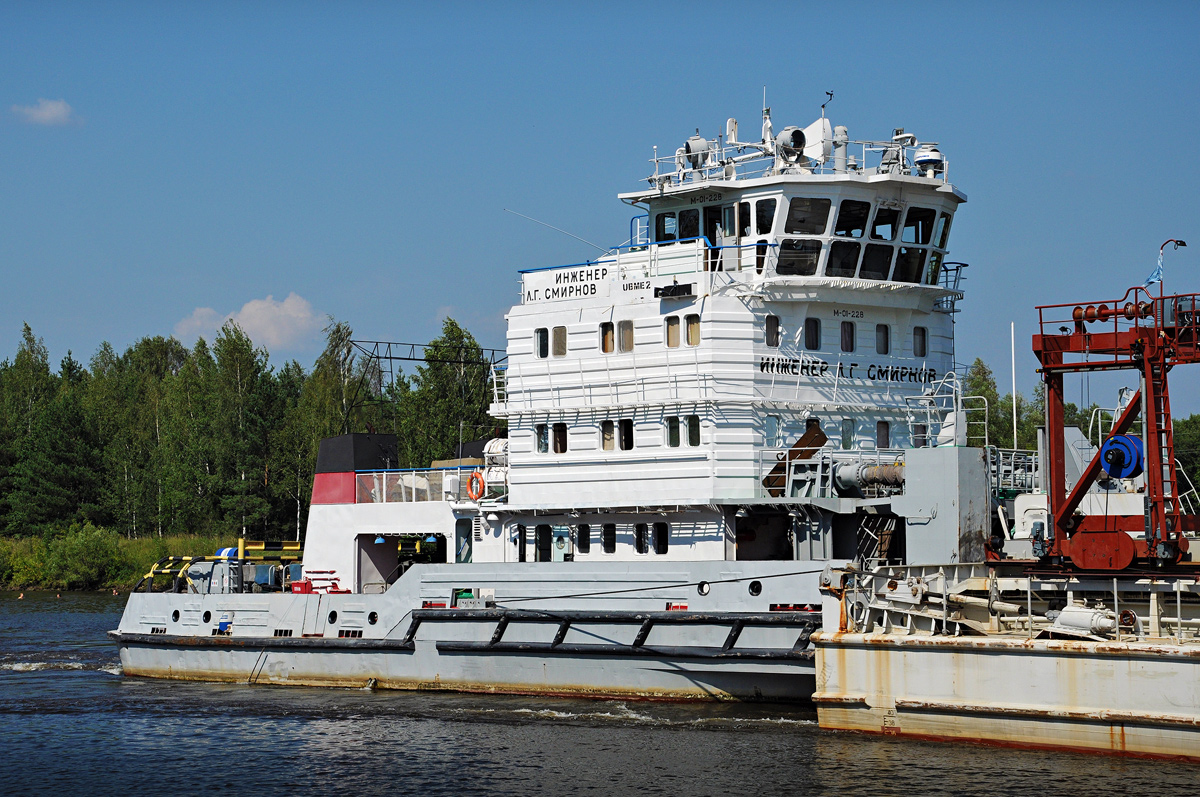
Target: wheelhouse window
{"x": 773, "y": 331}
{"x": 806, "y": 216}
{"x": 625, "y": 336}
{"x": 852, "y": 218}
{"x": 883, "y": 435}
{"x": 843, "y": 259}
{"x": 607, "y": 337}
{"x": 883, "y": 339}
{"x": 608, "y": 537}
{"x": 608, "y": 435}
{"x": 798, "y": 257}
{"x": 877, "y": 262}
{"x": 541, "y": 343}
{"x": 666, "y": 228}
{"x": 884, "y": 226}
{"x": 744, "y": 219}
{"x": 560, "y": 438}
{"x": 661, "y": 538}
{"x": 672, "y": 332}
{"x": 583, "y": 538}
{"x": 542, "y": 438}
{"x": 640, "y": 538}
{"x": 909, "y": 264}
{"x": 812, "y": 334}
{"x": 625, "y": 426}
{"x": 918, "y": 226}
{"x": 848, "y": 330}
{"x": 693, "y": 329}
{"x": 689, "y": 224}
{"x": 920, "y": 341}
{"x": 693, "y": 428}
{"x": 941, "y": 233}
{"x": 764, "y": 216}
{"x": 559, "y": 339}
{"x": 673, "y": 432}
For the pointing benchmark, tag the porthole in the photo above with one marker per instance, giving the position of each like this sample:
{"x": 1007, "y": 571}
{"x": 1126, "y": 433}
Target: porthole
{"x": 207, "y": 617}
{"x": 703, "y": 587}
{"x": 332, "y": 618}
{"x": 756, "y": 588}
{"x": 373, "y": 618}
{"x": 175, "y": 616}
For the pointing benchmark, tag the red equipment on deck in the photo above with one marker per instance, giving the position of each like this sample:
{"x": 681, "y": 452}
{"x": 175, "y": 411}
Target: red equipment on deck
{"x": 1140, "y": 332}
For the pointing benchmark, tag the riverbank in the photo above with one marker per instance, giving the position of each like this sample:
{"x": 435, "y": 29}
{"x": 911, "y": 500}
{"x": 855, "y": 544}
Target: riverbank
{"x": 88, "y": 557}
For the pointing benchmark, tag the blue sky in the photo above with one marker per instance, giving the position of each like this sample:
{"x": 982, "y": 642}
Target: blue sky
{"x": 281, "y": 162}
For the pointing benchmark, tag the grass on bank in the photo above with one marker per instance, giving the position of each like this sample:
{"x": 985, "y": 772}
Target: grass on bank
{"x": 84, "y": 556}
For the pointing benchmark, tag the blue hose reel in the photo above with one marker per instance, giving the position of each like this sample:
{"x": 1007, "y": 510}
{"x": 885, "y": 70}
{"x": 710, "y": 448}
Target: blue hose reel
{"x": 1123, "y": 456}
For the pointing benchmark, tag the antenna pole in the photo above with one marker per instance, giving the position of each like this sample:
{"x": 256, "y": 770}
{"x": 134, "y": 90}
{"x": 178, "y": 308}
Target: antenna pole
{"x": 556, "y": 229}
{"x": 1012, "y": 340}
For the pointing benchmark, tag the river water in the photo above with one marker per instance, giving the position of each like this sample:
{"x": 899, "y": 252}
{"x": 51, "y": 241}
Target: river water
{"x": 70, "y": 723}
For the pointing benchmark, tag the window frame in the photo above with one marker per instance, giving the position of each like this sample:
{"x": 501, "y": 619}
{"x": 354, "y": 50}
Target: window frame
{"x": 608, "y": 436}
{"x": 866, "y": 219}
{"x": 541, "y": 438}
{"x": 848, "y": 337}
{"x": 883, "y": 335}
{"x": 541, "y": 343}
{"x": 761, "y": 212}
{"x": 693, "y": 427}
{"x": 673, "y": 437}
{"x": 921, "y": 334}
{"x": 671, "y": 327}
{"x": 812, "y": 333}
{"x": 608, "y": 337}
{"x": 661, "y": 538}
{"x": 805, "y": 224}
{"x": 583, "y": 538}
{"x": 692, "y": 323}
{"x": 558, "y": 341}
{"x": 837, "y": 247}
{"x": 641, "y": 538}
{"x": 625, "y": 434}
{"x": 624, "y": 327}
{"x": 883, "y": 435}
{"x": 558, "y": 437}
{"x": 608, "y": 538}
{"x": 772, "y": 331}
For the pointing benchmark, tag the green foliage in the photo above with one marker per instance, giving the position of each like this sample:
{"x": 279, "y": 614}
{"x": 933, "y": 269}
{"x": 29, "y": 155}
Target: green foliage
{"x": 212, "y": 441}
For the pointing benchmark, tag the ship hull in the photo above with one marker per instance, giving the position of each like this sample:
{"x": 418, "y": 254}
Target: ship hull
{"x": 1134, "y": 698}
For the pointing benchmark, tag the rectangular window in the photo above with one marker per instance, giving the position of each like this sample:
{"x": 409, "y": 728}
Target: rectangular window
{"x": 693, "y": 424}
{"x": 806, "y": 216}
{"x": 665, "y": 231}
{"x": 909, "y": 264}
{"x": 560, "y": 342}
{"x": 522, "y": 542}
{"x": 920, "y": 341}
{"x": 608, "y": 537}
{"x": 852, "y": 218}
{"x": 541, "y": 343}
{"x": 771, "y": 431}
{"x": 625, "y": 336}
{"x": 877, "y": 262}
{"x": 847, "y": 434}
{"x": 607, "y": 338}
{"x": 560, "y": 438}
{"x": 541, "y": 543}
{"x": 661, "y": 533}
{"x": 920, "y": 435}
{"x": 848, "y": 336}
{"x": 693, "y": 329}
{"x": 608, "y": 435}
{"x": 883, "y": 339}
{"x": 941, "y": 235}
{"x": 883, "y": 436}
{"x": 843, "y": 259}
{"x": 744, "y": 219}
{"x": 673, "y": 432}
{"x": 918, "y": 226}
{"x": 884, "y": 226}
{"x": 541, "y": 433}
{"x": 583, "y": 538}
{"x": 672, "y": 332}
{"x": 626, "y": 427}
{"x": 689, "y": 224}
{"x": 812, "y": 334}
{"x": 764, "y": 216}
{"x": 773, "y": 333}
{"x": 798, "y": 258}
{"x": 641, "y": 542}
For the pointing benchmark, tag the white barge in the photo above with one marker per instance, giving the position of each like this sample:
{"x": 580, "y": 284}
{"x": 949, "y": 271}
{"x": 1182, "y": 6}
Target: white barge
{"x": 737, "y": 467}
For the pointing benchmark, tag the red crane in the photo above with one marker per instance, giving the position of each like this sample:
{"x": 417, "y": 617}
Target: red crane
{"x": 1147, "y": 334}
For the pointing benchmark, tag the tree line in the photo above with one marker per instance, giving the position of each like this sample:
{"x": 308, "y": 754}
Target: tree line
{"x": 212, "y": 440}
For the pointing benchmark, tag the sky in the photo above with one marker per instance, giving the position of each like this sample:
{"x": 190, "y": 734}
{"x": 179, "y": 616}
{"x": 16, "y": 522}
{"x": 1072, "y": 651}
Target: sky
{"x": 167, "y": 166}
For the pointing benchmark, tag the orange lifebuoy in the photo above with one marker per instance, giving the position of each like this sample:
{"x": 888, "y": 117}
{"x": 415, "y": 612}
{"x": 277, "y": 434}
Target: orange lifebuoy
{"x": 475, "y": 486}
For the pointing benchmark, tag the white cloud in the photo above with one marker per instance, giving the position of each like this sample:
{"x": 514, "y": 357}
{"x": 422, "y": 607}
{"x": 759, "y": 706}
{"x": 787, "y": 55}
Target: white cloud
{"x": 46, "y": 112}
{"x": 285, "y": 325}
